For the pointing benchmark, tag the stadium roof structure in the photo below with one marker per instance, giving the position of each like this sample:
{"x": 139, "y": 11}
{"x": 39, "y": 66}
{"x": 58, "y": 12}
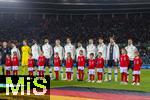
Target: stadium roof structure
{"x": 74, "y": 6}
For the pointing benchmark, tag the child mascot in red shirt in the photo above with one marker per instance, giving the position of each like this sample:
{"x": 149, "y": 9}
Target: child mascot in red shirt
{"x": 69, "y": 66}
{"x": 91, "y": 68}
{"x": 99, "y": 67}
{"x": 8, "y": 65}
{"x": 124, "y": 63}
{"x": 41, "y": 64}
{"x": 57, "y": 65}
{"x": 15, "y": 63}
{"x": 81, "y": 64}
{"x": 30, "y": 65}
{"x": 137, "y": 68}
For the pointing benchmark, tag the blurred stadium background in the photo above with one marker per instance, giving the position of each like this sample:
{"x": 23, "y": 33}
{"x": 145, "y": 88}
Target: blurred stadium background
{"x": 80, "y": 19}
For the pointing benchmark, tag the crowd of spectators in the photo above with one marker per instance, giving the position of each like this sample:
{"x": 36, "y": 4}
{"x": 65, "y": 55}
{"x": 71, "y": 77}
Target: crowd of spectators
{"x": 78, "y": 27}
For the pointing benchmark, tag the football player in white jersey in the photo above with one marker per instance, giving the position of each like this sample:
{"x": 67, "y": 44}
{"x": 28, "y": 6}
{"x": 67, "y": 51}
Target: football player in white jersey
{"x": 131, "y": 49}
{"x": 113, "y": 55}
{"x": 60, "y": 50}
{"x": 69, "y": 48}
{"x": 103, "y": 49}
{"x": 15, "y": 49}
{"x": 91, "y": 48}
{"x": 35, "y": 50}
{"x": 48, "y": 52}
{"x": 79, "y": 48}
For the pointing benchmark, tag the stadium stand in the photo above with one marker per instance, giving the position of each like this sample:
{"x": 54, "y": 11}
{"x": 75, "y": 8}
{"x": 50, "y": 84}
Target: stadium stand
{"x": 79, "y": 27}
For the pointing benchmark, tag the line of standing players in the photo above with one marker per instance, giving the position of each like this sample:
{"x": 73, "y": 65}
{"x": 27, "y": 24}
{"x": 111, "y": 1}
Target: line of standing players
{"x": 100, "y": 60}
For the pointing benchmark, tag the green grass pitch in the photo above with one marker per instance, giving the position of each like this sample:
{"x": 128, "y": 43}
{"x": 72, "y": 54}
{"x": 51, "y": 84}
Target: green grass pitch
{"x": 144, "y": 86}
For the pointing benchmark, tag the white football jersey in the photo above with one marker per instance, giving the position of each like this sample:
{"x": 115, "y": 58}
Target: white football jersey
{"x": 35, "y": 49}
{"x": 69, "y": 48}
{"x": 15, "y": 49}
{"x": 78, "y": 50}
{"x": 103, "y": 49}
{"x": 91, "y": 48}
{"x": 59, "y": 49}
{"x": 131, "y": 51}
{"x": 116, "y": 52}
{"x": 47, "y": 50}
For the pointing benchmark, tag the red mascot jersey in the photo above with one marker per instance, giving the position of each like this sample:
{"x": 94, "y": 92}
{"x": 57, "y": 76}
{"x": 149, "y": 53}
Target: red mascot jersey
{"x": 99, "y": 63}
{"x": 69, "y": 63}
{"x": 137, "y": 63}
{"x": 8, "y": 61}
{"x": 41, "y": 61}
{"x": 81, "y": 61}
{"x": 124, "y": 60}
{"x": 56, "y": 61}
{"x": 15, "y": 61}
{"x": 91, "y": 64}
{"x": 30, "y": 62}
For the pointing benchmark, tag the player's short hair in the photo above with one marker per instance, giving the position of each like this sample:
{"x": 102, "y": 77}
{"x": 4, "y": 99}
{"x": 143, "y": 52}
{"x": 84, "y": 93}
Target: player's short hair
{"x": 14, "y": 52}
{"x": 69, "y": 38}
{"x": 101, "y": 38}
{"x": 46, "y": 39}
{"x": 130, "y": 38}
{"x": 30, "y": 54}
{"x": 81, "y": 51}
{"x": 91, "y": 54}
{"x": 80, "y": 41}
{"x": 69, "y": 53}
{"x": 111, "y": 37}
{"x": 25, "y": 40}
{"x": 91, "y": 39}
{"x": 57, "y": 39}
{"x": 100, "y": 53}
{"x": 56, "y": 53}
{"x": 14, "y": 42}
{"x": 124, "y": 50}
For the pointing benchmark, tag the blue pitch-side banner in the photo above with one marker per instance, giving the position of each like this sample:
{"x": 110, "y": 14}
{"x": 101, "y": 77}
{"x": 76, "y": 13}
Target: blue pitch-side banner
{"x": 146, "y": 66}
